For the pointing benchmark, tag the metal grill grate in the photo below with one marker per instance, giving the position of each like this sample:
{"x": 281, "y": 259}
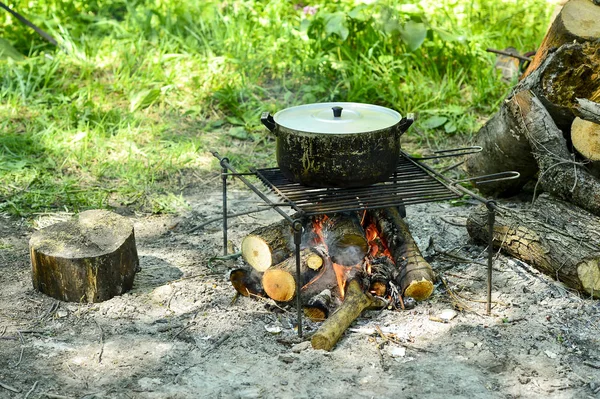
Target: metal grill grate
{"x": 410, "y": 184}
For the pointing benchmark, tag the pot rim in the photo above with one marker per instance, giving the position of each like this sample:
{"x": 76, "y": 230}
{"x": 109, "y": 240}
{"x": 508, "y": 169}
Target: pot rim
{"x": 319, "y": 118}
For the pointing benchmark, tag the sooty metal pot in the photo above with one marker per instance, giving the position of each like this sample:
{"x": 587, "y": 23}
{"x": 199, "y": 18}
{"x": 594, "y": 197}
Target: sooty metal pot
{"x": 337, "y": 144}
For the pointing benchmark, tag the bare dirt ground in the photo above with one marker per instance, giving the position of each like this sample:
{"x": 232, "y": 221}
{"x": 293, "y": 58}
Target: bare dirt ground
{"x": 177, "y": 334}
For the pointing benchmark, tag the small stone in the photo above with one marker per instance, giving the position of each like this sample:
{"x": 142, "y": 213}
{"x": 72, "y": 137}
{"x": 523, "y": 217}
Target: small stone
{"x": 551, "y": 355}
{"x": 286, "y": 358}
{"x": 469, "y": 345}
{"x": 523, "y": 380}
{"x": 447, "y": 314}
{"x": 273, "y": 329}
{"x": 62, "y": 313}
{"x": 302, "y": 346}
{"x": 397, "y": 351}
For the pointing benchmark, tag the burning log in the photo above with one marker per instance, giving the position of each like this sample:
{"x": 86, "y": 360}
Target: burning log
{"x": 414, "y": 275}
{"x": 557, "y": 238}
{"x": 383, "y": 270}
{"x": 279, "y": 281}
{"x": 345, "y": 238}
{"x": 355, "y": 302}
{"x": 317, "y": 307}
{"x": 268, "y": 245}
{"x": 247, "y": 282}
{"x": 91, "y": 258}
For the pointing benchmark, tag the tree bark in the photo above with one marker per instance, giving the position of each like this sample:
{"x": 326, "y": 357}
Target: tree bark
{"x": 415, "y": 276}
{"x": 91, "y": 258}
{"x": 268, "y": 245}
{"x": 557, "y": 238}
{"x": 504, "y": 148}
{"x": 566, "y": 74}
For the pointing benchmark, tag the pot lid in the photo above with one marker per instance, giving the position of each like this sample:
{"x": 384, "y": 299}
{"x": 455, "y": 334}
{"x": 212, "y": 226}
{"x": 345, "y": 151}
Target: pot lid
{"x": 337, "y": 118}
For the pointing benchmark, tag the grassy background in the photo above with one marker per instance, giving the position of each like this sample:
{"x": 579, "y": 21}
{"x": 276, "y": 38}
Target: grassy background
{"x": 125, "y": 111}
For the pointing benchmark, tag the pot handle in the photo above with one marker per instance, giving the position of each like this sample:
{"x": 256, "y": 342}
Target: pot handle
{"x": 405, "y": 122}
{"x": 267, "y": 119}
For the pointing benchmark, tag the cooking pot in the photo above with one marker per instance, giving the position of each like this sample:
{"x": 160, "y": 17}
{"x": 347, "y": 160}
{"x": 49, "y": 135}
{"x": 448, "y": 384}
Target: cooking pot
{"x": 337, "y": 144}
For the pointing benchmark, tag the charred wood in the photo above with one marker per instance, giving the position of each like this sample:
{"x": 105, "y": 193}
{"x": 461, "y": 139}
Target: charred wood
{"x": 317, "y": 307}
{"x": 247, "y": 282}
{"x": 415, "y": 276}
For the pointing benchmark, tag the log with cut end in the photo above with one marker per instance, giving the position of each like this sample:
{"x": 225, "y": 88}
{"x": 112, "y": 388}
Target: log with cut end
{"x": 585, "y": 137}
{"x": 355, "y": 302}
{"x": 415, "y": 276}
{"x": 268, "y": 245}
{"x": 504, "y": 148}
{"x": 247, "y": 281}
{"x": 557, "y": 238}
{"x": 279, "y": 281}
{"x": 317, "y": 307}
{"x": 345, "y": 238}
{"x": 576, "y": 22}
{"x": 559, "y": 174}
{"x": 91, "y": 258}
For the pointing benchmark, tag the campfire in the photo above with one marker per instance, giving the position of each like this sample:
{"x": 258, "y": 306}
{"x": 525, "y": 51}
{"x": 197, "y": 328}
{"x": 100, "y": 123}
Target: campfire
{"x": 349, "y": 262}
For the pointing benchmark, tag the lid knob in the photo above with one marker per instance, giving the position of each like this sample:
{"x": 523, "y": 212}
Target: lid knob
{"x": 337, "y": 111}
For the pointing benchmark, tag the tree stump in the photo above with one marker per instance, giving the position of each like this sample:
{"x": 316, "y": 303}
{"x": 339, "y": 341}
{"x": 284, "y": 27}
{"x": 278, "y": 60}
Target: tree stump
{"x": 91, "y": 258}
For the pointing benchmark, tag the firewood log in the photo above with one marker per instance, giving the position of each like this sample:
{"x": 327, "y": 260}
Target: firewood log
{"x": 585, "y": 137}
{"x": 415, "y": 276}
{"x": 383, "y": 270}
{"x": 355, "y": 301}
{"x": 247, "y": 281}
{"x": 317, "y": 307}
{"x": 565, "y": 82}
{"x": 91, "y": 258}
{"x": 279, "y": 281}
{"x": 576, "y": 22}
{"x": 559, "y": 174}
{"x": 559, "y": 239}
{"x": 268, "y": 245}
{"x": 345, "y": 238}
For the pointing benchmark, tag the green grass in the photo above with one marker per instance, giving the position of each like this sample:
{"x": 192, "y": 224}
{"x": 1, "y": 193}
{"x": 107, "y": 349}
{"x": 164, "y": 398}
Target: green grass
{"x": 125, "y": 112}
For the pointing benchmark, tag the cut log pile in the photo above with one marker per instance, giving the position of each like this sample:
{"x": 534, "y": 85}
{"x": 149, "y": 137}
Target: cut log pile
{"x": 548, "y": 130}
{"x": 348, "y": 262}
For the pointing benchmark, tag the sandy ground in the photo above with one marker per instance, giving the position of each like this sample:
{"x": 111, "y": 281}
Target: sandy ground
{"x": 177, "y": 334}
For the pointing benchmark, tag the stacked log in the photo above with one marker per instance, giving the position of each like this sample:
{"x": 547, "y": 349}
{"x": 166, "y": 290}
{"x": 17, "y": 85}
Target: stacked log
{"x": 559, "y": 239}
{"x": 561, "y": 83}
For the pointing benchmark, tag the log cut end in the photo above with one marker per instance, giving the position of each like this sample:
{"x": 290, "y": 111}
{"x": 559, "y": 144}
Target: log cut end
{"x": 257, "y": 253}
{"x": 90, "y": 258}
{"x": 580, "y": 19}
{"x": 588, "y": 272}
{"x": 586, "y": 138}
{"x": 419, "y": 290}
{"x": 279, "y": 285}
